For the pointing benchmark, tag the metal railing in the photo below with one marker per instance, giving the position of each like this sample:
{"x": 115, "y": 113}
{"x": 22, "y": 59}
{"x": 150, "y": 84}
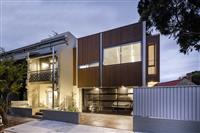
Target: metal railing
{"x": 42, "y": 75}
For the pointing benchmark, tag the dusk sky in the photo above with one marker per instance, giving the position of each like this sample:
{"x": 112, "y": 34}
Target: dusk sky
{"x": 24, "y": 22}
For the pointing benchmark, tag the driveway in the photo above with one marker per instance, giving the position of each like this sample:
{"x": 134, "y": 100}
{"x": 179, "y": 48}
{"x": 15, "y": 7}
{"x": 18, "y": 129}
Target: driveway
{"x": 46, "y": 126}
{"x": 109, "y": 121}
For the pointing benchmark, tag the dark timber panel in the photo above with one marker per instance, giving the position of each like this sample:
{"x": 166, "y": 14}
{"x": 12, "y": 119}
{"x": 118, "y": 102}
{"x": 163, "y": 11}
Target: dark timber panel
{"x": 88, "y": 49}
{"x": 128, "y": 74}
{"x": 88, "y": 77}
{"x": 88, "y": 52}
{"x": 131, "y": 74}
{"x": 126, "y": 34}
{"x": 155, "y": 39}
{"x": 111, "y": 75}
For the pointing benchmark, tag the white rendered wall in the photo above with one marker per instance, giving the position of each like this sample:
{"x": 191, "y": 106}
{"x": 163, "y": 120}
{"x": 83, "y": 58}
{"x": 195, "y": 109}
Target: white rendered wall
{"x": 65, "y": 83}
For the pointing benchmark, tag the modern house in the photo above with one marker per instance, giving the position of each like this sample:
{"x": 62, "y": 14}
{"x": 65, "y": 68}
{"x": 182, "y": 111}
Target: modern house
{"x": 95, "y": 73}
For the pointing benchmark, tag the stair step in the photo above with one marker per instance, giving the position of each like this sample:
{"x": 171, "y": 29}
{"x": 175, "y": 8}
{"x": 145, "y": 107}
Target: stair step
{"x": 39, "y": 113}
{"x": 37, "y": 116}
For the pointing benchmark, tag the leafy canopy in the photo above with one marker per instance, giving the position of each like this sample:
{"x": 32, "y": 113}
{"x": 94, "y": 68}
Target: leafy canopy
{"x": 12, "y": 75}
{"x": 178, "y": 18}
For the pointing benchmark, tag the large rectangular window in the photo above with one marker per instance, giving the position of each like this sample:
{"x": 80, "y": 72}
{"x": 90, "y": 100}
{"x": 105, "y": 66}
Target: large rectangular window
{"x": 131, "y": 53}
{"x": 111, "y": 56}
{"x": 122, "y": 54}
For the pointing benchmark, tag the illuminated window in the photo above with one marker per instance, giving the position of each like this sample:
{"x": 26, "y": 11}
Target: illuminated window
{"x": 44, "y": 66}
{"x": 151, "y": 83}
{"x": 122, "y": 54}
{"x": 111, "y": 56}
{"x": 131, "y": 53}
{"x": 152, "y": 70}
{"x": 151, "y": 55}
{"x": 96, "y": 64}
{"x": 151, "y": 60}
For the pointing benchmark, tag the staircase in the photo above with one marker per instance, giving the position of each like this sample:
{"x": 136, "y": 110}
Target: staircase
{"x": 38, "y": 115}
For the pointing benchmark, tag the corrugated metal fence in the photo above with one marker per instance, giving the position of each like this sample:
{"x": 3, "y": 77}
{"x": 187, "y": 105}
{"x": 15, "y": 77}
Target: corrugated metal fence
{"x": 178, "y": 103}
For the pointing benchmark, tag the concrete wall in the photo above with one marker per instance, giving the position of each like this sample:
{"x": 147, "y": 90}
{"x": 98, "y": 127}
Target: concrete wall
{"x": 65, "y": 83}
{"x": 177, "y": 103}
{"x": 19, "y": 104}
{"x": 26, "y": 112}
{"x": 71, "y": 117}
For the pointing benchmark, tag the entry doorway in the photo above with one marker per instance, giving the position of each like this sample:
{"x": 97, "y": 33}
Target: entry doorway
{"x": 49, "y": 99}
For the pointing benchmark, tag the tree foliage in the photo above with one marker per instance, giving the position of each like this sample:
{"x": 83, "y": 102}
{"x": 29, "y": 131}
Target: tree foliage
{"x": 178, "y": 18}
{"x": 12, "y": 75}
{"x": 196, "y": 77}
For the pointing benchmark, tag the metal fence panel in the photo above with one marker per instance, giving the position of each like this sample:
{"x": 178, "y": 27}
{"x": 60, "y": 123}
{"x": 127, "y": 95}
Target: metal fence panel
{"x": 177, "y": 102}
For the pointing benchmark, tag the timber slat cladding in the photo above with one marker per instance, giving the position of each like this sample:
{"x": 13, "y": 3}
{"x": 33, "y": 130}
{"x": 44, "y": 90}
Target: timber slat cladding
{"x": 88, "y": 49}
{"x": 155, "y": 39}
{"x": 88, "y": 77}
{"x": 128, "y": 74}
{"x": 88, "y": 52}
{"x": 122, "y": 35}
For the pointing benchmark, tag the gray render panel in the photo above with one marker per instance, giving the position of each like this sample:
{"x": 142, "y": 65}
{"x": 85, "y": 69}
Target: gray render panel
{"x": 70, "y": 117}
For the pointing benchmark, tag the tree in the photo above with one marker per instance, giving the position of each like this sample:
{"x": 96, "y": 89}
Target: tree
{"x": 195, "y": 76}
{"x": 177, "y": 18}
{"x": 12, "y": 75}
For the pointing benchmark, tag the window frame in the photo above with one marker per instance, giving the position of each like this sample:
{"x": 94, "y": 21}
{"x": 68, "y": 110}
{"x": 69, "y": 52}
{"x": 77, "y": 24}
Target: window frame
{"x": 120, "y": 46}
{"x": 154, "y": 64}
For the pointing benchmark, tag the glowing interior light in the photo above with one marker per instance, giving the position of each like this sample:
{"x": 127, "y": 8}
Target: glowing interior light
{"x": 45, "y": 66}
{"x": 83, "y": 66}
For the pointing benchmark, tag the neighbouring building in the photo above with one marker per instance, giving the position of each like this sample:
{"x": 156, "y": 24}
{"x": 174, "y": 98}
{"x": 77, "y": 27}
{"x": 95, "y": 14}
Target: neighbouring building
{"x": 97, "y": 72}
{"x": 178, "y": 82}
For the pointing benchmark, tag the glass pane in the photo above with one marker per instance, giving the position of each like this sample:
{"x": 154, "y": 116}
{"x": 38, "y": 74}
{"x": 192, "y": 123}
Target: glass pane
{"x": 111, "y": 56}
{"x": 151, "y": 51}
{"x": 152, "y": 70}
{"x": 131, "y": 53}
{"x": 94, "y": 64}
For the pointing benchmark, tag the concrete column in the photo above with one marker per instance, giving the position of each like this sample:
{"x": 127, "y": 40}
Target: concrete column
{"x": 144, "y": 71}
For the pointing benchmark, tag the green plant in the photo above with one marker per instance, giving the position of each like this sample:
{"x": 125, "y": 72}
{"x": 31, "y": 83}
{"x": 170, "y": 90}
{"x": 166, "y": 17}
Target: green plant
{"x": 72, "y": 107}
{"x": 12, "y": 75}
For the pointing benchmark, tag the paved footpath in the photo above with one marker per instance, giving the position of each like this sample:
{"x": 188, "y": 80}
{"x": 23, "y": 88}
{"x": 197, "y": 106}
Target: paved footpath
{"x": 46, "y": 126}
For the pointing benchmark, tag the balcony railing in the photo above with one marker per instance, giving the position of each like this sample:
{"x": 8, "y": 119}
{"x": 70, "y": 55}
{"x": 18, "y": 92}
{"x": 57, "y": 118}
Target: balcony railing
{"x": 42, "y": 75}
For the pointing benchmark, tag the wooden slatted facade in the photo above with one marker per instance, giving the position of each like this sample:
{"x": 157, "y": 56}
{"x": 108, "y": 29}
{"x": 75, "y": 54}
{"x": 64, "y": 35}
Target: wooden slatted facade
{"x": 127, "y": 74}
{"x": 154, "y": 40}
{"x": 88, "y": 52}
{"x": 122, "y": 35}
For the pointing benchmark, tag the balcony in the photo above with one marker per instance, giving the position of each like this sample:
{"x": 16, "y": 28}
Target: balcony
{"x": 42, "y": 75}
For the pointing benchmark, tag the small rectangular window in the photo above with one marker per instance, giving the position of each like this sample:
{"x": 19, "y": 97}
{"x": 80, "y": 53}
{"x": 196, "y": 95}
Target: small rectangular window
{"x": 96, "y": 64}
{"x": 151, "y": 55}
{"x": 151, "y": 70}
{"x": 151, "y": 60}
